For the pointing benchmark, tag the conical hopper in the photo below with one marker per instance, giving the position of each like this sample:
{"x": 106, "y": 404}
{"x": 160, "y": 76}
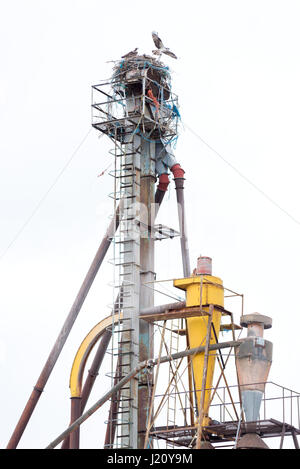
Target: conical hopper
{"x": 203, "y": 289}
{"x": 253, "y": 363}
{"x": 251, "y": 441}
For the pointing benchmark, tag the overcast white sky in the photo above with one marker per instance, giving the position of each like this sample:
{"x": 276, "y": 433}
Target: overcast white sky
{"x": 237, "y": 78}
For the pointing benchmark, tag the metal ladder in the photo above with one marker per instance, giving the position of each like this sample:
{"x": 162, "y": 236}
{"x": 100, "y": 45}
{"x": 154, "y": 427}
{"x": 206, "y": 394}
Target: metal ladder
{"x": 127, "y": 264}
{"x": 172, "y": 397}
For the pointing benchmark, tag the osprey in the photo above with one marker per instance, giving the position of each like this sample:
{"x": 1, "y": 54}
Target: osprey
{"x": 161, "y": 49}
{"x": 130, "y": 54}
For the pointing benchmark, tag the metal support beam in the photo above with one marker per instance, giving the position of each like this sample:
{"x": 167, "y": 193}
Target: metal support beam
{"x": 295, "y": 439}
{"x": 113, "y": 410}
{"x": 146, "y": 438}
{"x": 131, "y": 375}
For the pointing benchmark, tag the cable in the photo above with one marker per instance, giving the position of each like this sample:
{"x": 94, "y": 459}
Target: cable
{"x": 243, "y": 176}
{"x": 21, "y": 229}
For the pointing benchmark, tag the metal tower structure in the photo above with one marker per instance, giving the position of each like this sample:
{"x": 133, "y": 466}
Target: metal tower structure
{"x": 139, "y": 112}
{"x": 185, "y": 406}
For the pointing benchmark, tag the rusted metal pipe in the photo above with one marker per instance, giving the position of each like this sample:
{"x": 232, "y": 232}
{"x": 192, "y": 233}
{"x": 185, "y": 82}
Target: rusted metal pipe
{"x": 75, "y": 414}
{"x": 129, "y": 376}
{"x": 93, "y": 371}
{"x": 65, "y": 331}
{"x": 179, "y": 185}
{"x": 163, "y": 308}
{"x": 96, "y": 364}
{"x": 91, "y": 377}
{"x": 97, "y": 405}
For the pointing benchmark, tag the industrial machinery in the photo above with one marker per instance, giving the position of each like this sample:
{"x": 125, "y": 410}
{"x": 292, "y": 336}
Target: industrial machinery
{"x": 169, "y": 383}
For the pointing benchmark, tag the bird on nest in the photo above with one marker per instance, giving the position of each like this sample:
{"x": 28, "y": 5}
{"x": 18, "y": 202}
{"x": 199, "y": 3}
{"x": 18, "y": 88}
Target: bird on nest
{"x": 161, "y": 49}
{"x": 131, "y": 54}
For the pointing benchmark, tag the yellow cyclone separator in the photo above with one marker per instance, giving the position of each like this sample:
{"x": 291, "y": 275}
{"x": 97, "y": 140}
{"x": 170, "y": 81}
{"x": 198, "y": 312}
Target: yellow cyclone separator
{"x": 212, "y": 294}
{"x": 85, "y": 349}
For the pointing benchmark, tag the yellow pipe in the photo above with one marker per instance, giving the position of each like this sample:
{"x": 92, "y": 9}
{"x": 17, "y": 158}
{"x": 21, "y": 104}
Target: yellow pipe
{"x": 212, "y": 293}
{"x": 85, "y": 349}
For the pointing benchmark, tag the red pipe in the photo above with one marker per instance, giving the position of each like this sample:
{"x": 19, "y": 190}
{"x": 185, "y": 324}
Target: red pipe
{"x": 177, "y": 171}
{"x": 163, "y": 182}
